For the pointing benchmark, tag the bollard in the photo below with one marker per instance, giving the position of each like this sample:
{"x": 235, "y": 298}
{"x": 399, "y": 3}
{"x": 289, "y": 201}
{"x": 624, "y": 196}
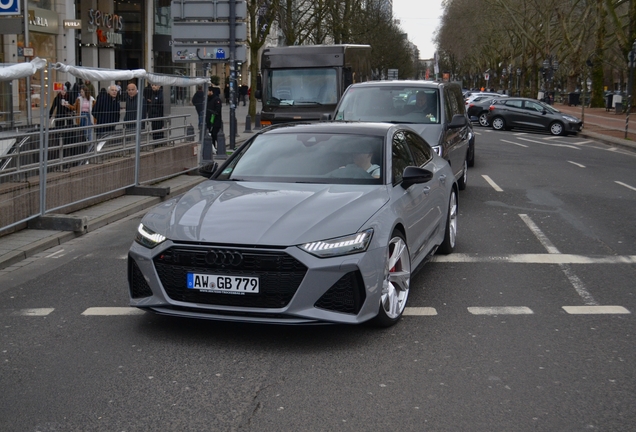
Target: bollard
{"x": 257, "y": 122}
{"x": 190, "y": 133}
{"x": 248, "y": 124}
{"x": 207, "y": 151}
{"x": 221, "y": 152}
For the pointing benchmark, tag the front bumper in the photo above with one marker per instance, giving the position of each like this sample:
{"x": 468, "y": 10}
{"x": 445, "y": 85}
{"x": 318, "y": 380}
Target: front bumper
{"x": 296, "y": 287}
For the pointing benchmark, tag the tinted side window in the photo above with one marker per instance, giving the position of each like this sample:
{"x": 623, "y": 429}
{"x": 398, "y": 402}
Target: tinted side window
{"x": 422, "y": 152}
{"x": 448, "y": 107}
{"x": 513, "y": 103}
{"x": 401, "y": 157}
{"x": 456, "y": 95}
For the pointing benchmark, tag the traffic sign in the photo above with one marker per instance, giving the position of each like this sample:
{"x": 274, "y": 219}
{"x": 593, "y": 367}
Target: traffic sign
{"x": 189, "y": 31}
{"x": 197, "y": 10}
{"x": 10, "y": 7}
{"x": 191, "y": 52}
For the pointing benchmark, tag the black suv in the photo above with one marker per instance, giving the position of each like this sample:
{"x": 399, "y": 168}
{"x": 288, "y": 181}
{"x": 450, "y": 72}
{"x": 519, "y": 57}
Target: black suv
{"x": 435, "y": 110}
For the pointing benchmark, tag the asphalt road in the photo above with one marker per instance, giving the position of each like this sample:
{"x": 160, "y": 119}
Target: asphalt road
{"x": 529, "y": 326}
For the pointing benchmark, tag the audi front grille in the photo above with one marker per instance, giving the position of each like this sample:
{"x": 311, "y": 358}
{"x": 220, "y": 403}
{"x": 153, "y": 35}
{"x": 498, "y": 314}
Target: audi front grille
{"x": 279, "y": 275}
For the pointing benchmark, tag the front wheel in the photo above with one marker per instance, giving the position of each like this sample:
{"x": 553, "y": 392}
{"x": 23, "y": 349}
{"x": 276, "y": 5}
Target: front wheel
{"x": 483, "y": 119}
{"x": 396, "y": 283}
{"x": 498, "y": 123}
{"x": 450, "y": 235}
{"x": 556, "y": 128}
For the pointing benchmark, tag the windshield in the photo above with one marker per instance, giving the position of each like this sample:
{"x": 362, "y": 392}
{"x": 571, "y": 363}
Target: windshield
{"x": 309, "y": 158}
{"x": 302, "y": 87}
{"x": 397, "y": 104}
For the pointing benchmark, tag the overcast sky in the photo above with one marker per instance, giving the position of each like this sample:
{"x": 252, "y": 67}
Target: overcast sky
{"x": 419, "y": 19}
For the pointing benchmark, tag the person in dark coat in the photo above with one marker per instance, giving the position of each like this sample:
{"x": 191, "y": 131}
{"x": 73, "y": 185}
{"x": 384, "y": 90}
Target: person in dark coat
{"x": 107, "y": 111}
{"x": 155, "y": 110}
{"x": 243, "y": 93}
{"x": 226, "y": 93}
{"x": 213, "y": 113}
{"x": 198, "y": 100}
{"x": 60, "y": 107}
{"x": 131, "y": 107}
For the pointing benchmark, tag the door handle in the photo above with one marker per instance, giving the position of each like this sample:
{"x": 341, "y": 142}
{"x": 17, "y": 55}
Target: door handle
{"x": 426, "y": 190}
{"x": 442, "y": 179}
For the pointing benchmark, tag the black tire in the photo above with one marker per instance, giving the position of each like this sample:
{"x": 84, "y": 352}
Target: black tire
{"x": 471, "y": 154}
{"x": 483, "y": 119}
{"x": 396, "y": 283}
{"x": 556, "y": 128}
{"x": 498, "y": 123}
{"x": 450, "y": 235}
{"x": 463, "y": 180}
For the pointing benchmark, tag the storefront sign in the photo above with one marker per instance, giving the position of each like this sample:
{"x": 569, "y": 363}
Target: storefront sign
{"x": 72, "y": 24}
{"x": 99, "y": 19}
{"x": 43, "y": 21}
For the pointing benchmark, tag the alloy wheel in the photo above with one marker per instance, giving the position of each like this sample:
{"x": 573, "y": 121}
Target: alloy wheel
{"x": 395, "y": 290}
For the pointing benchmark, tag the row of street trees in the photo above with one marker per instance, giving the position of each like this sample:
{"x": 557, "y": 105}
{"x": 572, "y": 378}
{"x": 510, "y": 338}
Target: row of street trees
{"x": 538, "y": 43}
{"x": 308, "y": 22}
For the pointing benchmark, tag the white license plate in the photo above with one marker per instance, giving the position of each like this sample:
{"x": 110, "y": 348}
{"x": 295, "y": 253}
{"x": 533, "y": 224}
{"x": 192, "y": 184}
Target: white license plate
{"x": 223, "y": 283}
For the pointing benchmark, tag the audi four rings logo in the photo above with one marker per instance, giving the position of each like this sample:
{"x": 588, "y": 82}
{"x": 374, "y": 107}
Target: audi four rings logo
{"x": 224, "y": 258}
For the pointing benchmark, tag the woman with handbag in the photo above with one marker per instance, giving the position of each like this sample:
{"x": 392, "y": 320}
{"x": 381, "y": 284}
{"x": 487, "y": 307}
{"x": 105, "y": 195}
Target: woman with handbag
{"x": 84, "y": 108}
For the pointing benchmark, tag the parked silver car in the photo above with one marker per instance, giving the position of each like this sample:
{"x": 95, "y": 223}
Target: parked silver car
{"x": 302, "y": 224}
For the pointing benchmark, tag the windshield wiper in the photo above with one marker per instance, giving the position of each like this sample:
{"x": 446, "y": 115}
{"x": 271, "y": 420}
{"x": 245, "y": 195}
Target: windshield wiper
{"x": 308, "y": 102}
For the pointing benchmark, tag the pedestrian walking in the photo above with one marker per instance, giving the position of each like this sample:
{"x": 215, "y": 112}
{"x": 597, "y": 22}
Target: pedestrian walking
{"x": 155, "y": 110}
{"x": 83, "y": 108}
{"x": 213, "y": 112}
{"x": 131, "y": 107}
{"x": 243, "y": 94}
{"x": 198, "y": 100}
{"x": 107, "y": 111}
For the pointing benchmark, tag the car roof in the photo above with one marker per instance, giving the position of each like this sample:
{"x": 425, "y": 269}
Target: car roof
{"x": 366, "y": 128}
{"x": 410, "y": 83}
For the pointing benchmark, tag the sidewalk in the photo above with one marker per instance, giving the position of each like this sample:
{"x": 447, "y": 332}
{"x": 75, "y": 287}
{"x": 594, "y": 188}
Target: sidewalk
{"x": 605, "y": 126}
{"x": 17, "y": 249}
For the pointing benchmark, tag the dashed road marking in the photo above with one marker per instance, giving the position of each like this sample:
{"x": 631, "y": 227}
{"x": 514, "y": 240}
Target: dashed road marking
{"x": 56, "y": 254}
{"x": 492, "y": 183}
{"x": 32, "y": 312}
{"x": 512, "y": 142}
{"x": 535, "y": 259}
{"x": 550, "y": 144}
{"x": 420, "y": 311}
{"x": 573, "y": 278}
{"x": 626, "y": 185}
{"x": 503, "y": 310}
{"x": 110, "y": 311}
{"x": 577, "y": 164}
{"x": 595, "y": 310}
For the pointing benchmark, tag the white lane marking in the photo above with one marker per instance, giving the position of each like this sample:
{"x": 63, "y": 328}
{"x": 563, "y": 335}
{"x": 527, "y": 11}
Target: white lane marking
{"x": 520, "y": 133}
{"x": 53, "y": 255}
{"x": 577, "y": 164}
{"x": 583, "y": 142}
{"x": 512, "y": 142}
{"x": 123, "y": 257}
{"x": 626, "y": 185}
{"x": 551, "y": 138}
{"x": 574, "y": 280}
{"x": 535, "y": 259}
{"x": 595, "y": 310}
{"x": 109, "y": 311}
{"x": 504, "y": 310}
{"x": 492, "y": 183}
{"x": 33, "y": 312}
{"x": 550, "y": 144}
{"x": 420, "y": 311}
{"x": 547, "y": 244}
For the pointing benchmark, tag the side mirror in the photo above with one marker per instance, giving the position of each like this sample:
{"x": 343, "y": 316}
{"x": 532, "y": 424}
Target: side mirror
{"x": 208, "y": 169}
{"x": 325, "y": 117}
{"x": 459, "y": 120}
{"x": 415, "y": 175}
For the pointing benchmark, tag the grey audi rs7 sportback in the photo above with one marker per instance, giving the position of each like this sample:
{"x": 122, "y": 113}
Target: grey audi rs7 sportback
{"x": 305, "y": 223}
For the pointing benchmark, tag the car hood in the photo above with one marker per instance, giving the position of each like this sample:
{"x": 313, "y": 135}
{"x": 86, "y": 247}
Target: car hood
{"x": 430, "y": 132}
{"x": 274, "y": 214}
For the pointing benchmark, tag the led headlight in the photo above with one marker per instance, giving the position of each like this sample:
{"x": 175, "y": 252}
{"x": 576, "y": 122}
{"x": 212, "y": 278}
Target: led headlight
{"x": 354, "y": 243}
{"x": 571, "y": 119}
{"x": 147, "y": 237}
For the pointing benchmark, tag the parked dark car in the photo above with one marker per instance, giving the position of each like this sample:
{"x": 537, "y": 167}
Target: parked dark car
{"x": 478, "y": 111}
{"x": 527, "y": 113}
{"x": 435, "y": 110}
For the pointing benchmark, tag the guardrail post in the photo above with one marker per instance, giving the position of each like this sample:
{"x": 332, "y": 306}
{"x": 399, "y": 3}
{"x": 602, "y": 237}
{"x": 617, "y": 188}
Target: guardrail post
{"x": 248, "y": 124}
{"x": 257, "y": 122}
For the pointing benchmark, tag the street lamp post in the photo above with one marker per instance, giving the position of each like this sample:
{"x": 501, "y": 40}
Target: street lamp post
{"x": 550, "y": 66}
{"x": 518, "y": 76}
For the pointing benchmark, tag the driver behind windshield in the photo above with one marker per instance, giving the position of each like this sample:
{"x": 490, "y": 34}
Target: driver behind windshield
{"x": 362, "y": 159}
